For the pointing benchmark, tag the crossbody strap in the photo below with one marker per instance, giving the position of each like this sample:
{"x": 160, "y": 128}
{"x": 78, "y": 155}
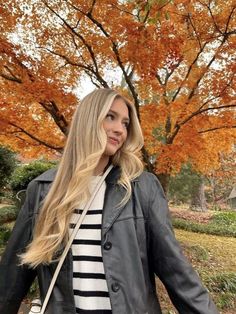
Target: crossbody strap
{"x": 72, "y": 236}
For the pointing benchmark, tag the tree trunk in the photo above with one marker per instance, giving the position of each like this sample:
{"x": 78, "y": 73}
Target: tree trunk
{"x": 163, "y": 177}
{"x": 198, "y": 199}
{"x": 164, "y": 180}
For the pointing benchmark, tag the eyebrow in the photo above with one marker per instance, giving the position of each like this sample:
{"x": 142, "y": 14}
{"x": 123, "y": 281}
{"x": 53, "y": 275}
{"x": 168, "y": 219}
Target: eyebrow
{"x": 124, "y": 119}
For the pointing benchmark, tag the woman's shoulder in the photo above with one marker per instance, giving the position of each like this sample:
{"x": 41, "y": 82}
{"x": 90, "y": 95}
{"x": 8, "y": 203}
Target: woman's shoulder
{"x": 147, "y": 177}
{"x": 47, "y": 176}
{"x": 149, "y": 183}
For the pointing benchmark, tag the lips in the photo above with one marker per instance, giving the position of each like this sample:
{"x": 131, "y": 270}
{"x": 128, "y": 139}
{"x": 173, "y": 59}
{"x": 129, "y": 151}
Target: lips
{"x": 113, "y": 140}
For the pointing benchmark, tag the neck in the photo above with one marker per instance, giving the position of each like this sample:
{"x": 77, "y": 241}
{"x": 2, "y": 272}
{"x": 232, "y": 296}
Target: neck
{"x": 103, "y": 162}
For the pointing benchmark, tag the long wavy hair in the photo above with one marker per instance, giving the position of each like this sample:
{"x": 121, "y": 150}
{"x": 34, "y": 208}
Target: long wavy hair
{"x": 85, "y": 145}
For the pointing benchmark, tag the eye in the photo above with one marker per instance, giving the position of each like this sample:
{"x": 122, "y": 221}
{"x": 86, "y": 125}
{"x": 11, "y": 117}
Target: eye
{"x": 126, "y": 124}
{"x": 110, "y": 116}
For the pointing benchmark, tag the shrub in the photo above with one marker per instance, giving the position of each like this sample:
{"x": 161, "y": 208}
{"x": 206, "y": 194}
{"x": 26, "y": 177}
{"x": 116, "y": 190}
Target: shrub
{"x": 225, "y": 218}
{"x": 8, "y": 213}
{"x": 22, "y": 176}
{"x": 211, "y": 228}
{"x": 7, "y": 164}
{"x": 5, "y": 233}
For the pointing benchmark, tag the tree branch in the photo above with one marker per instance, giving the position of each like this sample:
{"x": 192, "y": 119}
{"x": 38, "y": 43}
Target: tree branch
{"x": 195, "y": 31}
{"x": 218, "y": 128}
{"x": 228, "y": 21}
{"x": 10, "y": 78}
{"x": 213, "y": 18}
{"x": 194, "y": 114}
{"x": 13, "y": 77}
{"x": 57, "y": 116}
{"x": 122, "y": 10}
{"x": 33, "y": 137}
{"x": 114, "y": 48}
{"x": 89, "y": 48}
{"x": 168, "y": 73}
{"x": 225, "y": 37}
{"x": 189, "y": 71}
{"x": 68, "y": 61}
{"x": 219, "y": 95}
{"x": 119, "y": 61}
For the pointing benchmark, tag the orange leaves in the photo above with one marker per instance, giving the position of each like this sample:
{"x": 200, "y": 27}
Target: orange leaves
{"x": 25, "y": 122}
{"x": 198, "y": 140}
{"x": 174, "y": 60}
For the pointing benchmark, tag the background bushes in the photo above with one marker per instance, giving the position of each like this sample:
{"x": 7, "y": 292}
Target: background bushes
{"x": 23, "y": 174}
{"x": 7, "y": 165}
{"x": 8, "y": 213}
{"x": 222, "y": 223}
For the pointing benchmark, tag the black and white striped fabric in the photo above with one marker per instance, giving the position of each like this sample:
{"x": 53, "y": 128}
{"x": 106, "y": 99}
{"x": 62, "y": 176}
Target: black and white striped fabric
{"x": 89, "y": 282}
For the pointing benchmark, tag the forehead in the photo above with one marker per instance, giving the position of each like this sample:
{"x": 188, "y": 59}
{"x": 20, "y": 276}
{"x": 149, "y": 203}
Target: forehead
{"x": 120, "y": 107}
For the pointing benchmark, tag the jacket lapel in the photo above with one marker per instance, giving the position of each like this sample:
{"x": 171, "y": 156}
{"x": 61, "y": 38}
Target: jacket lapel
{"x": 113, "y": 196}
{"x": 111, "y": 210}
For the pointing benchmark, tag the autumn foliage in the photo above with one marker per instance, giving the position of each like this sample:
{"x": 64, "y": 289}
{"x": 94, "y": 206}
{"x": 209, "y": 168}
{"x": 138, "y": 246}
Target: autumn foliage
{"x": 174, "y": 59}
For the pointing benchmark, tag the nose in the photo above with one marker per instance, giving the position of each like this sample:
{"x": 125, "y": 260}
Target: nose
{"x": 118, "y": 127}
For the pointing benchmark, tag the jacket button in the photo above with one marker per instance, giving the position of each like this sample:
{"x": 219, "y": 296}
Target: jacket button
{"x": 107, "y": 246}
{"x": 115, "y": 287}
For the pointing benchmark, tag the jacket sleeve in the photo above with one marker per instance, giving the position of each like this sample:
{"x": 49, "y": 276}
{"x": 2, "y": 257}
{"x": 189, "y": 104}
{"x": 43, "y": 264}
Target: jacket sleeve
{"x": 16, "y": 280}
{"x": 167, "y": 260}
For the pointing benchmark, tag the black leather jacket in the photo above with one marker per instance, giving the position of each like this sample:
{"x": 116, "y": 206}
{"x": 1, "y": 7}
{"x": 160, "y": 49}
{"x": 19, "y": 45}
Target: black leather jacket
{"x": 137, "y": 242}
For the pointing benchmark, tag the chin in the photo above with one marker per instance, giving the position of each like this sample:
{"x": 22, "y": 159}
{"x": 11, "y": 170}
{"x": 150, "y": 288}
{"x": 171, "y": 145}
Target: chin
{"x": 110, "y": 153}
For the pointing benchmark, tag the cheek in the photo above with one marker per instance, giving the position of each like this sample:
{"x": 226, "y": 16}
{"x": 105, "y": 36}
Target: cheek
{"x": 125, "y": 135}
{"x": 105, "y": 126}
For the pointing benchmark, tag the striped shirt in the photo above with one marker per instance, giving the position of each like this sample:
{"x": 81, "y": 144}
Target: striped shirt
{"x": 89, "y": 283}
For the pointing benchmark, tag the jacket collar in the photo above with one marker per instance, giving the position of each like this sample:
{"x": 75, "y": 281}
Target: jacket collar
{"x": 114, "y": 175}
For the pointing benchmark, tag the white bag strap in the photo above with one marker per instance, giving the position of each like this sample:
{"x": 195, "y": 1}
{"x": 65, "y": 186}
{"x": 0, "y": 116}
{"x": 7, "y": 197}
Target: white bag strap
{"x": 72, "y": 236}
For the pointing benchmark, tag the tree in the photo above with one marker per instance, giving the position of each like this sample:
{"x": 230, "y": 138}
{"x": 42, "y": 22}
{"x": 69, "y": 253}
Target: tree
{"x": 198, "y": 198}
{"x": 222, "y": 180}
{"x": 181, "y": 186}
{"x": 174, "y": 60}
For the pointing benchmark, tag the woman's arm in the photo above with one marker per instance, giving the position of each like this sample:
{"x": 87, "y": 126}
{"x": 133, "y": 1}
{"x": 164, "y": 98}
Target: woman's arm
{"x": 167, "y": 260}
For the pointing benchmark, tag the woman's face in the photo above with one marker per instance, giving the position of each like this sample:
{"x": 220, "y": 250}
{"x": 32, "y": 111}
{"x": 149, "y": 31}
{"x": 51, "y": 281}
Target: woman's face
{"x": 116, "y": 125}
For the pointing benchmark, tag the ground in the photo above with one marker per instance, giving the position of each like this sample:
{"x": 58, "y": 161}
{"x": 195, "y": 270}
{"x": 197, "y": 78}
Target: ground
{"x": 210, "y": 255}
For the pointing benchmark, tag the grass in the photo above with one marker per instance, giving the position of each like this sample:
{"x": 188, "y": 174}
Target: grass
{"x": 222, "y": 224}
{"x": 220, "y": 250}
{"x": 224, "y": 282}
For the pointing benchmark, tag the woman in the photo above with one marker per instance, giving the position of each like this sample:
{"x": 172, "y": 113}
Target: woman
{"x": 125, "y": 239}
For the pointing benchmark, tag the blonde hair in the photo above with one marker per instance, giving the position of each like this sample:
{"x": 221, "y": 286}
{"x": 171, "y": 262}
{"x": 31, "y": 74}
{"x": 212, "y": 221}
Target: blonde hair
{"x": 85, "y": 145}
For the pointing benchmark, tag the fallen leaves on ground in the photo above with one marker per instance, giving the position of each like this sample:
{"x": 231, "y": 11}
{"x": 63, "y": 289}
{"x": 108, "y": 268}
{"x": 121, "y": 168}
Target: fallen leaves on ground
{"x": 199, "y": 217}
